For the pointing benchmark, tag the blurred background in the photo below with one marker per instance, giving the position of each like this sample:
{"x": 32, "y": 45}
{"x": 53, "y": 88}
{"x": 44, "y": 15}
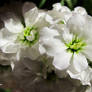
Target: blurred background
{"x": 47, "y": 4}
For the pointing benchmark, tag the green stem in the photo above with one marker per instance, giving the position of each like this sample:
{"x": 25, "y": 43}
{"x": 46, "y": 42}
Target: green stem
{"x": 69, "y": 2}
{"x": 42, "y": 3}
{"x": 62, "y": 2}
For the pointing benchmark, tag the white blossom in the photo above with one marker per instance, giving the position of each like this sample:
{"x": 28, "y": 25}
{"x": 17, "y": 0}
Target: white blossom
{"x": 20, "y": 40}
{"x": 71, "y": 48}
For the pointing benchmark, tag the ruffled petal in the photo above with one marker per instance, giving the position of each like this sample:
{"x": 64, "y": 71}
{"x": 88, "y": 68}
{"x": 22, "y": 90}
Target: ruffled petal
{"x": 60, "y": 8}
{"x": 53, "y": 46}
{"x": 80, "y": 25}
{"x": 27, "y": 6}
{"x": 6, "y": 35}
{"x": 85, "y": 76}
{"x": 40, "y": 21}
{"x": 3, "y": 42}
{"x": 32, "y": 52}
{"x": 79, "y": 62}
{"x": 62, "y": 60}
{"x": 13, "y": 24}
{"x": 80, "y": 10}
{"x": 47, "y": 33}
{"x": 10, "y": 48}
{"x": 30, "y": 16}
{"x": 87, "y": 51}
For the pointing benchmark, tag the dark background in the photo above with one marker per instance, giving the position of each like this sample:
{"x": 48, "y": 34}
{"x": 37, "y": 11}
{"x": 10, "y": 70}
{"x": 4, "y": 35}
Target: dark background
{"x": 87, "y": 4}
{"x": 37, "y": 2}
{"x": 47, "y": 5}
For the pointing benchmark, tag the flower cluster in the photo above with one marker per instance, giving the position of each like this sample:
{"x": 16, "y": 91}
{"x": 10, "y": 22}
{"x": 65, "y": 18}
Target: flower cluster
{"x": 59, "y": 38}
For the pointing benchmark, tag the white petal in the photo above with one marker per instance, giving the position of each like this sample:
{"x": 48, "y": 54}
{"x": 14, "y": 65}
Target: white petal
{"x": 13, "y": 25}
{"x": 42, "y": 49}
{"x": 47, "y": 33}
{"x": 10, "y": 48}
{"x": 49, "y": 19}
{"x": 32, "y": 52}
{"x": 87, "y": 51}
{"x": 60, "y": 8}
{"x": 30, "y": 16}
{"x": 59, "y": 16}
{"x": 84, "y": 76}
{"x": 40, "y": 21}
{"x": 62, "y": 60}
{"x": 67, "y": 36}
{"x": 80, "y": 10}
{"x": 53, "y": 46}
{"x": 3, "y": 42}
{"x": 63, "y": 10}
{"x": 56, "y": 48}
{"x": 12, "y": 65}
{"x": 80, "y": 25}
{"x": 27, "y": 6}
{"x": 18, "y": 55}
{"x": 57, "y": 6}
{"x": 6, "y": 35}
{"x": 79, "y": 62}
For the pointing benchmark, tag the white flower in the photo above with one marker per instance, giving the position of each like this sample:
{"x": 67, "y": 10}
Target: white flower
{"x": 61, "y": 14}
{"x": 72, "y": 48}
{"x": 85, "y": 76}
{"x": 15, "y": 38}
{"x": 64, "y": 9}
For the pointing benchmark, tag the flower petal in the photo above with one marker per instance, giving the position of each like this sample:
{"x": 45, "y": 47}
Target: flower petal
{"x": 32, "y": 52}
{"x": 47, "y": 33}
{"x": 13, "y": 24}
{"x": 87, "y": 51}
{"x": 57, "y": 49}
{"x": 80, "y": 25}
{"x": 30, "y": 16}
{"x": 79, "y": 62}
{"x": 60, "y": 8}
{"x": 84, "y": 76}
{"x": 40, "y": 20}
{"x": 3, "y": 42}
{"x": 67, "y": 36}
{"x": 27, "y": 6}
{"x": 10, "y": 48}
{"x": 52, "y": 46}
{"x": 42, "y": 49}
{"x": 80, "y": 10}
{"x": 6, "y": 35}
{"x": 62, "y": 60}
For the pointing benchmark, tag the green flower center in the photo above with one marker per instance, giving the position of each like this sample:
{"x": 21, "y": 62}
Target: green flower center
{"x": 76, "y": 45}
{"x": 29, "y": 36}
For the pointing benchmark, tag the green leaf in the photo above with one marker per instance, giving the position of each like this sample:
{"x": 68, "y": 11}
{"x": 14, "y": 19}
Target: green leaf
{"x": 42, "y": 3}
